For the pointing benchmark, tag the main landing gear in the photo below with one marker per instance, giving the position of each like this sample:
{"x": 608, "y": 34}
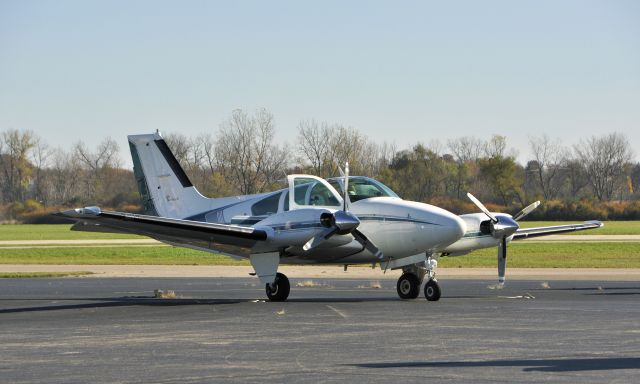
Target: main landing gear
{"x": 409, "y": 283}
{"x": 279, "y": 289}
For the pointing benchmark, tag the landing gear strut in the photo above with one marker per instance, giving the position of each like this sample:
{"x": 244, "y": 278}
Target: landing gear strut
{"x": 413, "y": 274}
{"x": 279, "y": 289}
{"x": 431, "y": 288}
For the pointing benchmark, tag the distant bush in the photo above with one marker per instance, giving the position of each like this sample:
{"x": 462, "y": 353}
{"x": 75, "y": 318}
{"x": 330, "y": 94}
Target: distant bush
{"x": 586, "y": 210}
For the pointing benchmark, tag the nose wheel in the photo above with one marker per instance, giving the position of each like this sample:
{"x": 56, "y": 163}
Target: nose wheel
{"x": 279, "y": 289}
{"x": 408, "y": 286}
{"x": 432, "y": 290}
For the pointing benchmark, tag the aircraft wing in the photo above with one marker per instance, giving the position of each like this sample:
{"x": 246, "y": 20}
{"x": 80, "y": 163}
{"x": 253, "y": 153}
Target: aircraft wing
{"x": 524, "y": 233}
{"x": 223, "y": 238}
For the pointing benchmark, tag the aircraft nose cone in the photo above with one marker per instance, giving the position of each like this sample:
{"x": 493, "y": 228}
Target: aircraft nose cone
{"x": 453, "y": 227}
{"x": 447, "y": 227}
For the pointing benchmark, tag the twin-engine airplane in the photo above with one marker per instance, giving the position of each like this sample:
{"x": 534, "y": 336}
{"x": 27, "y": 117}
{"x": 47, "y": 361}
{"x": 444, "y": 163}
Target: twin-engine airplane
{"x": 309, "y": 222}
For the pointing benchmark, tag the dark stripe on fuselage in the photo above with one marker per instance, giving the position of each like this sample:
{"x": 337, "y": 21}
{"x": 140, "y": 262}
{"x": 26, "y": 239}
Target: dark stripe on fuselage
{"x": 394, "y": 218}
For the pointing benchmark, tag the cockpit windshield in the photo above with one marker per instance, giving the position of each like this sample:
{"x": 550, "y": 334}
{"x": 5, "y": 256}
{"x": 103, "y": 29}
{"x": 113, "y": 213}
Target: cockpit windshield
{"x": 361, "y": 188}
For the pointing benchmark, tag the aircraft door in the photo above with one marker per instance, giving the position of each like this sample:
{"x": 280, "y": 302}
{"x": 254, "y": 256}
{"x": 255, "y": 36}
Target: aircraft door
{"x": 311, "y": 191}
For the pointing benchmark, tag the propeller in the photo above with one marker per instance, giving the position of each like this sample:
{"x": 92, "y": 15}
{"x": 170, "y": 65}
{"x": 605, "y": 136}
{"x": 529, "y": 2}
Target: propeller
{"x": 502, "y": 227}
{"x": 342, "y": 223}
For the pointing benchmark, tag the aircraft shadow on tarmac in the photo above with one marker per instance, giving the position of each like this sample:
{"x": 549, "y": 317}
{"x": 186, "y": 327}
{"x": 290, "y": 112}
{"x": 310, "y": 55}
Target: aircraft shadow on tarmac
{"x": 117, "y": 302}
{"x": 151, "y": 301}
{"x": 543, "y": 365}
{"x": 90, "y": 302}
{"x": 597, "y": 291}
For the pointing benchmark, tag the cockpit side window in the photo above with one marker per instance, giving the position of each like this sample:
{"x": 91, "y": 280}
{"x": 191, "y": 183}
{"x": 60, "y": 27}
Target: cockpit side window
{"x": 321, "y": 195}
{"x": 266, "y": 206}
{"x": 311, "y": 192}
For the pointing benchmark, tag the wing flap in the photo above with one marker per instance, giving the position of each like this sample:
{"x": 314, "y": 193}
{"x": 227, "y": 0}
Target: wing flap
{"x": 524, "y": 233}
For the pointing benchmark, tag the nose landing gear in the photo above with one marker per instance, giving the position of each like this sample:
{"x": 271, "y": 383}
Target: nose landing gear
{"x": 432, "y": 290}
{"x": 408, "y": 286}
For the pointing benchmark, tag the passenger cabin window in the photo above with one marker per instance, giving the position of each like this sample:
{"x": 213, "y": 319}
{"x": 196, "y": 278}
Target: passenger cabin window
{"x": 266, "y": 206}
{"x": 361, "y": 188}
{"x": 311, "y": 192}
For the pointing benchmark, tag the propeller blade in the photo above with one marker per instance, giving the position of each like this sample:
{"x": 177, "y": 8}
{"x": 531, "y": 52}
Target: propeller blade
{"x": 367, "y": 244}
{"x": 482, "y": 207}
{"x": 318, "y": 239}
{"x": 345, "y": 196}
{"x": 502, "y": 260}
{"x": 339, "y": 167}
{"x": 527, "y": 210}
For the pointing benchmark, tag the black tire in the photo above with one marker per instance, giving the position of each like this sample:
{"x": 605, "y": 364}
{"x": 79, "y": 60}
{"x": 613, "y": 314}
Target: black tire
{"x": 280, "y": 290}
{"x": 408, "y": 286}
{"x": 432, "y": 290}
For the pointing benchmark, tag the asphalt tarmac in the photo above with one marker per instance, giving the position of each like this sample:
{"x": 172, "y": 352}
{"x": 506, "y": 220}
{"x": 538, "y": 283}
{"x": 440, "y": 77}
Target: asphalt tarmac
{"x": 81, "y": 330}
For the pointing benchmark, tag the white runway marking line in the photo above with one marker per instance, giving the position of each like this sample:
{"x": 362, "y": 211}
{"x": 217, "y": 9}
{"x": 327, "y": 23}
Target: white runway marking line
{"x": 339, "y": 312}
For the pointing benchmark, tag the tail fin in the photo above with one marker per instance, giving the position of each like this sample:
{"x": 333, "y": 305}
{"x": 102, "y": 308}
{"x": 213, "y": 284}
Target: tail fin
{"x": 165, "y": 189}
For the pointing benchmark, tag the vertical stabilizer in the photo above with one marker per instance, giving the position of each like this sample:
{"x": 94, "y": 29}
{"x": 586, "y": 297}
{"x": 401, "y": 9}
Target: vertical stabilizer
{"x": 165, "y": 189}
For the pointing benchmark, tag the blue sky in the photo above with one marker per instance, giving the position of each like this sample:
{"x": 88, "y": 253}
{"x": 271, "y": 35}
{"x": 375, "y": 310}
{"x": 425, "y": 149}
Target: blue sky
{"x": 402, "y": 71}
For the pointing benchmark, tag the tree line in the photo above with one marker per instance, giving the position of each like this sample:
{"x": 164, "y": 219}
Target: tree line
{"x": 595, "y": 178}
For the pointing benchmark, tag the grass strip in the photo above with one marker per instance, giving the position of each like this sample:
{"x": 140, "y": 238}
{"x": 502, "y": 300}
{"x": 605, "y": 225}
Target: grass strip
{"x": 14, "y": 275}
{"x": 54, "y": 232}
{"x": 153, "y": 255}
{"x": 554, "y": 255}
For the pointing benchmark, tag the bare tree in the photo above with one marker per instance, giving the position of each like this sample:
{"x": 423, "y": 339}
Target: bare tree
{"x": 314, "y": 145}
{"x": 39, "y": 157}
{"x": 604, "y": 159}
{"x": 549, "y": 157}
{"x": 326, "y": 147}
{"x": 98, "y": 167}
{"x": 246, "y": 154}
{"x": 63, "y": 181}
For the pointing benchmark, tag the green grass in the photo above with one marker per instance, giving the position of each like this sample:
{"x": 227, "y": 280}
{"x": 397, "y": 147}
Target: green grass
{"x": 521, "y": 254}
{"x": 13, "y": 275}
{"x": 610, "y": 227}
{"x": 54, "y": 232}
{"x": 159, "y": 255}
{"x": 554, "y": 255}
